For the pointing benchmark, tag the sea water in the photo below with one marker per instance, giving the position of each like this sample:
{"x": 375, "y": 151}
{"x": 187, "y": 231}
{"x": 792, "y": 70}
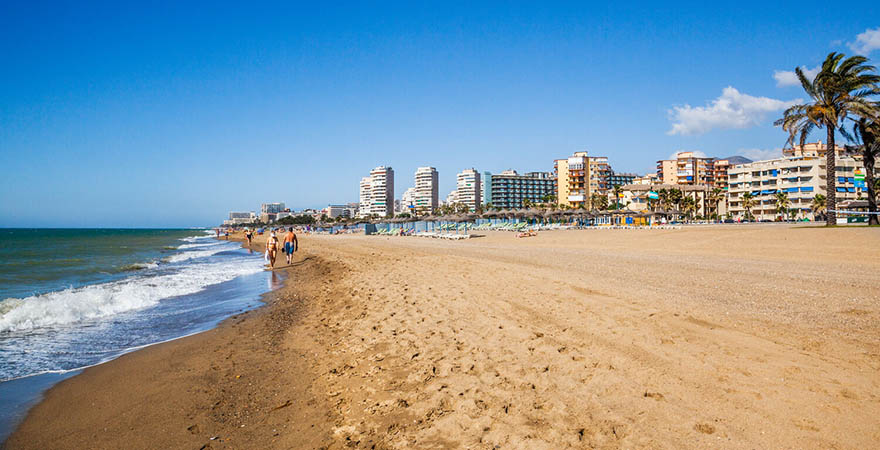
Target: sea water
{"x": 70, "y": 299}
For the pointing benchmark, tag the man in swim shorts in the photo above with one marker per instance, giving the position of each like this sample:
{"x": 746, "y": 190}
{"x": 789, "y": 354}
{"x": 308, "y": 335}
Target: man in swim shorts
{"x": 290, "y": 243}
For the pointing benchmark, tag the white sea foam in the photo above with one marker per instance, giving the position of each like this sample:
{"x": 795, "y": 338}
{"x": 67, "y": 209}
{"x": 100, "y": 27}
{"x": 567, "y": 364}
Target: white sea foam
{"x": 193, "y": 254}
{"x": 71, "y": 306}
{"x": 189, "y": 246}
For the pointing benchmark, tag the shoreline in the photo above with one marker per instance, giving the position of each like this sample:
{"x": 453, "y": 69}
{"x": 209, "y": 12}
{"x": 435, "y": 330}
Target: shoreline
{"x": 702, "y": 337}
{"x": 47, "y": 392}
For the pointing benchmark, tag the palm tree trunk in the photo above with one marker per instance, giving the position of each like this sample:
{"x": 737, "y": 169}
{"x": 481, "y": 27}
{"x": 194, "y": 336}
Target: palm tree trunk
{"x": 831, "y": 178}
{"x": 868, "y": 141}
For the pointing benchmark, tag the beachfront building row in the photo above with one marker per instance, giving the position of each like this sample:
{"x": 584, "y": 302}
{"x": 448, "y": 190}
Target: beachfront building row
{"x": 509, "y": 189}
{"x": 644, "y": 197}
{"x": 692, "y": 169}
{"x": 800, "y": 174}
{"x": 240, "y": 218}
{"x": 346, "y": 211}
{"x": 377, "y": 193}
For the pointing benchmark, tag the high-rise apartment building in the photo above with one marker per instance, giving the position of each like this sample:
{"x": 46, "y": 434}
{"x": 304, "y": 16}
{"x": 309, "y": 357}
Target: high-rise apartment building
{"x": 721, "y": 168}
{"x": 377, "y": 193}
{"x": 426, "y": 195}
{"x": 509, "y": 189}
{"x": 366, "y": 192}
{"x": 468, "y": 189}
{"x": 798, "y": 174}
{"x": 579, "y": 176}
{"x": 382, "y": 191}
{"x": 688, "y": 169}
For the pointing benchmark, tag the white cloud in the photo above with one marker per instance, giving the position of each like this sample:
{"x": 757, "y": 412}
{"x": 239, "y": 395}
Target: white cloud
{"x": 732, "y": 109}
{"x": 866, "y": 42}
{"x": 758, "y": 154}
{"x": 789, "y": 78}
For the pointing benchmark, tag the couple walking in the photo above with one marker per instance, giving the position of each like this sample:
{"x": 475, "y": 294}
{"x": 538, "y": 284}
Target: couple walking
{"x": 290, "y": 245}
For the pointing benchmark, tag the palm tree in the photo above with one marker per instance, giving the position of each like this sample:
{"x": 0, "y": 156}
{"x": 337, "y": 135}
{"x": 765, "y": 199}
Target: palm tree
{"x": 839, "y": 89}
{"x": 818, "y": 205}
{"x": 748, "y": 201}
{"x": 688, "y": 205}
{"x": 599, "y": 201}
{"x": 675, "y": 197}
{"x": 663, "y": 195}
{"x": 715, "y": 198}
{"x": 782, "y": 203}
{"x": 617, "y": 189}
{"x": 869, "y": 133}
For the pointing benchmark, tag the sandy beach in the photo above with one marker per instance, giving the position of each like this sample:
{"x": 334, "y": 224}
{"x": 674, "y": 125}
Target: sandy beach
{"x": 761, "y": 336}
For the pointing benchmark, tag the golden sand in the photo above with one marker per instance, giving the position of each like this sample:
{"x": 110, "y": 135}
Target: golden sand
{"x": 717, "y": 336}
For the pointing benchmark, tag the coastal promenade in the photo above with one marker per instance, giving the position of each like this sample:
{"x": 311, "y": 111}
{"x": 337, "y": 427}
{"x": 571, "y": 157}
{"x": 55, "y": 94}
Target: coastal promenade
{"x": 716, "y": 336}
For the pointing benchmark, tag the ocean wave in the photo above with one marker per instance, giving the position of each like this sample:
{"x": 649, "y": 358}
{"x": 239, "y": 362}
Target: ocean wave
{"x": 188, "y": 246}
{"x": 138, "y": 266}
{"x": 197, "y": 238}
{"x": 193, "y": 254}
{"x": 74, "y": 305}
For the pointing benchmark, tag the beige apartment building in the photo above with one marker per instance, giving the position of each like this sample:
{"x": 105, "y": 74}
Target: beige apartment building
{"x": 687, "y": 169}
{"x": 579, "y": 176}
{"x": 800, "y": 174}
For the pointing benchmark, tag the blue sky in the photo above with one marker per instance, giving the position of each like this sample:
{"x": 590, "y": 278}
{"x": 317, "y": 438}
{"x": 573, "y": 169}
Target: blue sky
{"x": 172, "y": 115}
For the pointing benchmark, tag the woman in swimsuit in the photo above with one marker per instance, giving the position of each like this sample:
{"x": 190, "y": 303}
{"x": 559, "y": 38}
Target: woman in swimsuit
{"x": 271, "y": 245}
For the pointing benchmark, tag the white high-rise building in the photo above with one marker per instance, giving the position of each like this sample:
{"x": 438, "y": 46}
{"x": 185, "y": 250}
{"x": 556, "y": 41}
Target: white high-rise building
{"x": 377, "y": 192}
{"x": 426, "y": 191}
{"x": 408, "y": 201}
{"x": 451, "y": 198}
{"x": 366, "y": 192}
{"x": 469, "y": 191}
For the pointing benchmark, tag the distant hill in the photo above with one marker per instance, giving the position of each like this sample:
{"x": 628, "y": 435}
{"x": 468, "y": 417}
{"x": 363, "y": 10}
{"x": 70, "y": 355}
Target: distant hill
{"x": 738, "y": 159}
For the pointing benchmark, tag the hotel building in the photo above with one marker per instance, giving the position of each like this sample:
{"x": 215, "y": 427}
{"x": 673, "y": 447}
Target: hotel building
{"x": 271, "y": 208}
{"x": 426, "y": 195}
{"x": 579, "y": 176}
{"x": 468, "y": 189}
{"x": 800, "y": 173}
{"x": 620, "y": 179}
{"x": 509, "y": 189}
{"x": 687, "y": 169}
{"x": 377, "y": 193}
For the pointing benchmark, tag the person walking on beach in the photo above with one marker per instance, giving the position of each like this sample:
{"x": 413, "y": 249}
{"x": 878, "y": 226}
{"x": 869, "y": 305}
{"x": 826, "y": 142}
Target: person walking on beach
{"x": 249, "y": 235}
{"x": 290, "y": 244}
{"x": 271, "y": 248}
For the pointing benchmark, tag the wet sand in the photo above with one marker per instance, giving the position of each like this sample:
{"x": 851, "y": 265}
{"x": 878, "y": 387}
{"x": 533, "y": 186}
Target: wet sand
{"x": 724, "y": 336}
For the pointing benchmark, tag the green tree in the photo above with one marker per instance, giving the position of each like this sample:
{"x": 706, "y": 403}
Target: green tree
{"x": 748, "y": 202}
{"x": 617, "y": 190}
{"x": 818, "y": 205}
{"x": 841, "y": 88}
{"x": 599, "y": 201}
{"x": 675, "y": 197}
{"x": 782, "y": 203}
{"x": 715, "y": 198}
{"x": 689, "y": 206}
{"x": 868, "y": 131}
